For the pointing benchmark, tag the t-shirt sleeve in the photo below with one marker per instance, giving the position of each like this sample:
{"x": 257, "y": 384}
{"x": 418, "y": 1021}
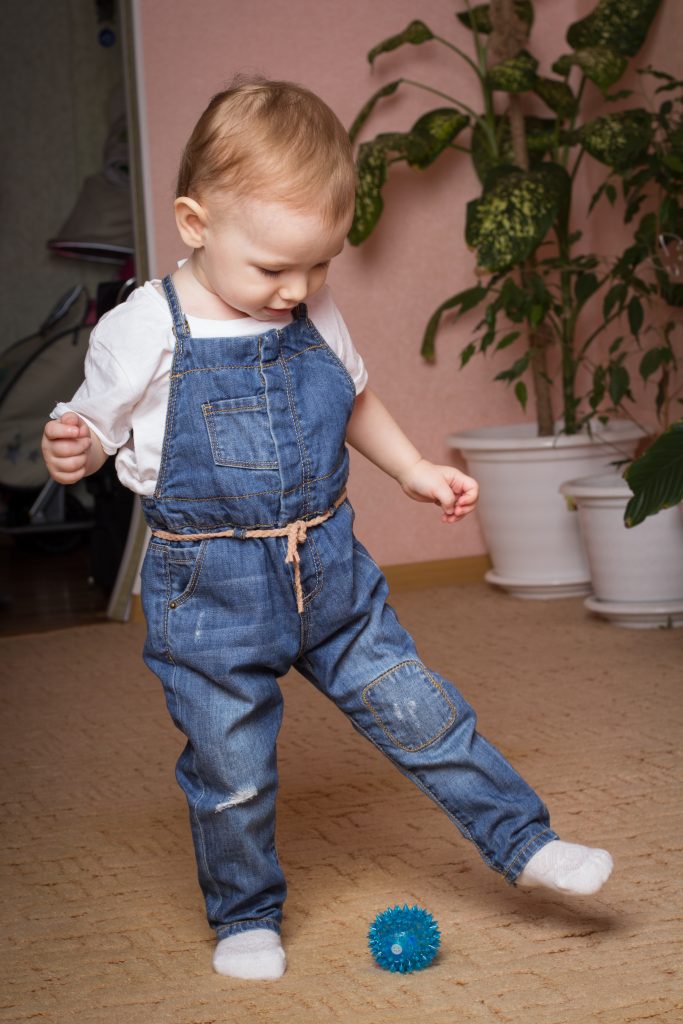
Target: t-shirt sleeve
{"x": 330, "y": 323}
{"x": 106, "y": 398}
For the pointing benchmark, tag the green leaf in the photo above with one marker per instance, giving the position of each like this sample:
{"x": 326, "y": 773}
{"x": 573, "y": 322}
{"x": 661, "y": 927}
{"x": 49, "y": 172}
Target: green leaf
{"x": 467, "y": 299}
{"x": 479, "y": 18}
{"x": 586, "y": 285}
{"x": 557, "y": 95}
{"x": 517, "y": 74}
{"x": 365, "y": 111}
{"x": 512, "y": 300}
{"x": 673, "y": 162}
{"x": 487, "y": 340}
{"x": 516, "y": 370}
{"x": 513, "y": 216}
{"x": 598, "y": 390}
{"x": 430, "y": 135}
{"x": 508, "y": 340}
{"x": 536, "y": 314}
{"x": 619, "y": 383}
{"x": 651, "y": 362}
{"x": 433, "y": 133}
{"x": 521, "y": 393}
{"x": 669, "y": 215}
{"x": 618, "y": 140}
{"x": 372, "y": 173}
{"x": 620, "y": 94}
{"x": 615, "y": 296}
{"x": 417, "y": 32}
{"x": 636, "y": 315}
{"x": 672, "y": 292}
{"x": 646, "y": 233}
{"x": 620, "y": 25}
{"x": 663, "y": 76}
{"x": 601, "y": 65}
{"x": 656, "y": 478}
{"x": 541, "y": 135}
{"x": 564, "y": 64}
{"x": 467, "y": 353}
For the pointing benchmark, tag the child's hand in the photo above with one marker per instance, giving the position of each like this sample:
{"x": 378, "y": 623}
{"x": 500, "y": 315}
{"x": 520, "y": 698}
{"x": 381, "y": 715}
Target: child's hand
{"x": 66, "y": 445}
{"x": 444, "y": 485}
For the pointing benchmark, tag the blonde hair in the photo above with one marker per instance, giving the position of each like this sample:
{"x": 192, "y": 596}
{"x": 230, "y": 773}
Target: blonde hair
{"x": 271, "y": 140}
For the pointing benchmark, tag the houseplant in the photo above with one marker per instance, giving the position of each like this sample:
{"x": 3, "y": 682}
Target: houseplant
{"x": 534, "y": 280}
{"x": 637, "y": 574}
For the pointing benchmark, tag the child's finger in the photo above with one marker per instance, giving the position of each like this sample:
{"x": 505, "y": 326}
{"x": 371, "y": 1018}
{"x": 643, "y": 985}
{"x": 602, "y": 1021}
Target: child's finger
{"x": 70, "y": 465}
{"x": 445, "y": 497}
{"x": 56, "y": 429}
{"x": 66, "y": 448}
{"x": 72, "y": 419}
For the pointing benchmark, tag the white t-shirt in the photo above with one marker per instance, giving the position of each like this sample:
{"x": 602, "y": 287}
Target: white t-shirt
{"x": 124, "y": 396}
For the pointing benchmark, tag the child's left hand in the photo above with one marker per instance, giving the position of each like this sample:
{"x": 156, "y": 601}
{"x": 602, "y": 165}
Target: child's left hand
{"x": 446, "y": 486}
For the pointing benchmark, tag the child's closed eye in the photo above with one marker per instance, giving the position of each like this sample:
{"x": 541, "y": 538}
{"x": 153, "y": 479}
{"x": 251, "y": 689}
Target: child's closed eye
{"x": 269, "y": 273}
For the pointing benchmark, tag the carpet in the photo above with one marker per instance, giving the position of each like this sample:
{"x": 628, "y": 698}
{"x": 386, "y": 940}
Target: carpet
{"x": 102, "y": 918}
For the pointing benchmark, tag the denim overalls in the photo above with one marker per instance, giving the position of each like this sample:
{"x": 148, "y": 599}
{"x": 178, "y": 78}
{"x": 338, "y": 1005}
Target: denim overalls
{"x": 255, "y": 438}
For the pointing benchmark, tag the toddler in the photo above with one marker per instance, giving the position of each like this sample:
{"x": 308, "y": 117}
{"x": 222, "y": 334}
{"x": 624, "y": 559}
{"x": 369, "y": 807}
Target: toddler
{"x": 228, "y": 392}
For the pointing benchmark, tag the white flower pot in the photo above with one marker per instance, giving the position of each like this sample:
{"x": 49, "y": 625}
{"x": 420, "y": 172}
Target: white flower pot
{"x": 532, "y": 538}
{"x": 637, "y": 573}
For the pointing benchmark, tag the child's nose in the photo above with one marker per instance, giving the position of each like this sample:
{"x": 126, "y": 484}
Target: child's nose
{"x": 294, "y": 288}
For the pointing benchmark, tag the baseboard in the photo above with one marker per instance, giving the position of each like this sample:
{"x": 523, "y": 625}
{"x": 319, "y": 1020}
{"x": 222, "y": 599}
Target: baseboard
{"x": 445, "y": 572}
{"x": 136, "y": 613}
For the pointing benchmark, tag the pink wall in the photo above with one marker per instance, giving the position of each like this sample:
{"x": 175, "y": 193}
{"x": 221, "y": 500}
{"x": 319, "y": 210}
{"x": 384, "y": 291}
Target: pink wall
{"x": 387, "y": 288}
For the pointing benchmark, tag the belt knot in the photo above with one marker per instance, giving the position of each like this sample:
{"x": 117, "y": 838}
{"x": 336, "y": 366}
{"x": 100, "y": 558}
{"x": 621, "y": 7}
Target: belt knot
{"x": 295, "y": 533}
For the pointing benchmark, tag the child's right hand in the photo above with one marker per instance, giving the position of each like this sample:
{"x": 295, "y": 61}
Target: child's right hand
{"x": 66, "y": 445}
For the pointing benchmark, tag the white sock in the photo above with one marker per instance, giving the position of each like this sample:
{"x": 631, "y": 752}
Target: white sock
{"x": 256, "y": 954}
{"x": 567, "y": 867}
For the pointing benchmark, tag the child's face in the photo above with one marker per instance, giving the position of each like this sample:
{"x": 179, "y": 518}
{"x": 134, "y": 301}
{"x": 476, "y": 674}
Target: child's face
{"x": 262, "y": 258}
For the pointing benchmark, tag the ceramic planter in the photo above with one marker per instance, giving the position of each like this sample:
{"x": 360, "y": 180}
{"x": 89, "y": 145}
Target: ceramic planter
{"x": 532, "y": 538}
{"x": 637, "y": 573}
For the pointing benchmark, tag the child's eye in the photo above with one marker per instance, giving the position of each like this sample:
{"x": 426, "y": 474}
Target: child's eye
{"x": 268, "y": 273}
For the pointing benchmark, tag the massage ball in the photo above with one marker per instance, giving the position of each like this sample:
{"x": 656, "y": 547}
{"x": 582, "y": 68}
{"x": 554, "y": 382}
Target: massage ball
{"x": 404, "y": 939}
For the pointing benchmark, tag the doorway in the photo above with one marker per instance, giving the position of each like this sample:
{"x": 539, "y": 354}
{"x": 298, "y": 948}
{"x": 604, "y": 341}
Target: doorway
{"x": 68, "y": 252}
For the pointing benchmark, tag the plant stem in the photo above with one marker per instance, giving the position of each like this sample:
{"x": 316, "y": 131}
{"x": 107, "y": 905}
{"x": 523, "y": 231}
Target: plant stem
{"x": 438, "y": 92}
{"x": 460, "y": 53}
{"x": 539, "y": 339}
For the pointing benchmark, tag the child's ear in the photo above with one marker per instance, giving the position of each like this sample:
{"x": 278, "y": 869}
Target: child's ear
{"x": 191, "y": 220}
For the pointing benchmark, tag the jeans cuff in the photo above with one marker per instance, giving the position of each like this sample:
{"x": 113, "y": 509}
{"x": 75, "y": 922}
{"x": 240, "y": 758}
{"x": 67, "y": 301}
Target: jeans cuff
{"x": 224, "y": 930}
{"x": 515, "y": 869}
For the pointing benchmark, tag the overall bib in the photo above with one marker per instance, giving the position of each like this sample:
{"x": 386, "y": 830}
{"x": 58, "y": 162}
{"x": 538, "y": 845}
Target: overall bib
{"x": 255, "y": 441}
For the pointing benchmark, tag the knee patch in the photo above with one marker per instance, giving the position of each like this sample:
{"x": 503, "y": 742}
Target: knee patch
{"x": 410, "y": 705}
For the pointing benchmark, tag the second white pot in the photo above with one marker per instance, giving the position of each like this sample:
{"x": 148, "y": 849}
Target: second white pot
{"x": 637, "y": 573}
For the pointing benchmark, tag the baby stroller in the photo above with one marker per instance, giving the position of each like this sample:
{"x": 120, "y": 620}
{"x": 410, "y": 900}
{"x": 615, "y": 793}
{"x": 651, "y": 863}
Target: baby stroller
{"x": 36, "y": 372}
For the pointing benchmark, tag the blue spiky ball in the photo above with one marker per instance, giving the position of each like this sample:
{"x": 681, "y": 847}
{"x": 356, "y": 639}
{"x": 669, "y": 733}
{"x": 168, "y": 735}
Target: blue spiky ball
{"x": 404, "y": 939}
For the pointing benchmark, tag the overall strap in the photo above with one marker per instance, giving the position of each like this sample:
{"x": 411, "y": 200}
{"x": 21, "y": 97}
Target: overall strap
{"x": 180, "y": 324}
{"x": 300, "y": 312}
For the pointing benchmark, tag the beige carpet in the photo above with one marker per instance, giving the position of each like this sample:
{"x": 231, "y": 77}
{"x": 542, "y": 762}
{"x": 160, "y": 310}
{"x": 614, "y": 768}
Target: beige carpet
{"x": 102, "y": 921}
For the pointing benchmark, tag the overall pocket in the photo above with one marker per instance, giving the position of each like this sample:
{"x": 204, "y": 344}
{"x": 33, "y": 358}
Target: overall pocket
{"x": 184, "y": 566}
{"x": 239, "y": 433}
